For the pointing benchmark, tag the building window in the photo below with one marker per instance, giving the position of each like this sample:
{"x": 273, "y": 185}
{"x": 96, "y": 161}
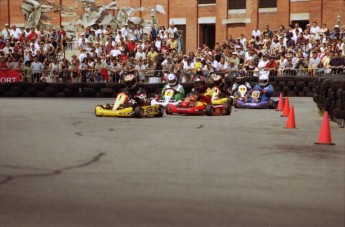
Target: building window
{"x": 237, "y": 4}
{"x": 206, "y": 2}
{"x": 267, "y": 3}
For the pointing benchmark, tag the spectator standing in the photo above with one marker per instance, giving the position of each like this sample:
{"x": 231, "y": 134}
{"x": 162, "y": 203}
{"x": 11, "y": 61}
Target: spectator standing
{"x": 125, "y": 30}
{"x": 36, "y": 70}
{"x": 256, "y": 33}
{"x": 15, "y": 32}
{"x": 6, "y": 32}
{"x": 140, "y": 69}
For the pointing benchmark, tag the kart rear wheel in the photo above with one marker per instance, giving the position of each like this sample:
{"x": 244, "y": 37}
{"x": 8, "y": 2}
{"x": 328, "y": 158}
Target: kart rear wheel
{"x": 168, "y": 110}
{"x": 138, "y": 112}
{"x": 209, "y": 110}
{"x": 160, "y": 111}
{"x": 271, "y": 104}
{"x": 227, "y": 109}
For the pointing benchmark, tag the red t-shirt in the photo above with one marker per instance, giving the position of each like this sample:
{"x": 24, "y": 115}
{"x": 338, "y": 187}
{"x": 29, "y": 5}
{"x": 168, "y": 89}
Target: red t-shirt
{"x": 32, "y": 35}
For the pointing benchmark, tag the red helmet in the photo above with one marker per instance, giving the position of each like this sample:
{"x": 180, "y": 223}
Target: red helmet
{"x": 200, "y": 84}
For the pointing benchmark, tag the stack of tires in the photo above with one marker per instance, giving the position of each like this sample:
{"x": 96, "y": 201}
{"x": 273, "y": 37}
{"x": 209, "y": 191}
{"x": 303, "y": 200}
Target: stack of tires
{"x": 330, "y": 95}
{"x": 294, "y": 86}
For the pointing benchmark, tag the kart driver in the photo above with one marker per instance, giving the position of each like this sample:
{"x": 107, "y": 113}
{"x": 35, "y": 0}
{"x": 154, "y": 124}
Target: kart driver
{"x": 203, "y": 93}
{"x": 240, "y": 81}
{"x": 136, "y": 94}
{"x": 179, "y": 92}
{"x": 220, "y": 83}
{"x": 265, "y": 88}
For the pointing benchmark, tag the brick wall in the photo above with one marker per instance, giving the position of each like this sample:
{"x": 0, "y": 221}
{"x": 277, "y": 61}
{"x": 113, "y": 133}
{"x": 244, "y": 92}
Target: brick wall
{"x": 191, "y": 11}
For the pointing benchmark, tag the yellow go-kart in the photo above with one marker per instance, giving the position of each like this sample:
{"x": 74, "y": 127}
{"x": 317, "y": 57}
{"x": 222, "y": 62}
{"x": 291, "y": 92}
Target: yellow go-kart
{"x": 121, "y": 108}
{"x": 219, "y": 106}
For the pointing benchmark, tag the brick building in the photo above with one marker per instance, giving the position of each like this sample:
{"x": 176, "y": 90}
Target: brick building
{"x": 210, "y": 21}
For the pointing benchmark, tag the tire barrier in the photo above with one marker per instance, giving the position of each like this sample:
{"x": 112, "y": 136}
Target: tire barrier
{"x": 292, "y": 86}
{"x": 330, "y": 96}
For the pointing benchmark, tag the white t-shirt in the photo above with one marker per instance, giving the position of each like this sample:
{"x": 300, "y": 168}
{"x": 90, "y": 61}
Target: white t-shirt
{"x": 315, "y": 30}
{"x": 140, "y": 54}
{"x": 15, "y": 33}
{"x": 115, "y": 53}
{"x": 256, "y": 33}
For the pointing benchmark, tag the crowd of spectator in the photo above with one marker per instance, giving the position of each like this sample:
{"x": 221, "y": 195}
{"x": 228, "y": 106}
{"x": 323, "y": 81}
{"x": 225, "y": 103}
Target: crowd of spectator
{"x": 106, "y": 55}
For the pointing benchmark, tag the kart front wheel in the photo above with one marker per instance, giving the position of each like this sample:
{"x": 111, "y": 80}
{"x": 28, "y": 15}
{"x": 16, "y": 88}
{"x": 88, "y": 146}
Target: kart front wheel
{"x": 209, "y": 110}
{"x": 271, "y": 104}
{"x": 138, "y": 112}
{"x": 160, "y": 112}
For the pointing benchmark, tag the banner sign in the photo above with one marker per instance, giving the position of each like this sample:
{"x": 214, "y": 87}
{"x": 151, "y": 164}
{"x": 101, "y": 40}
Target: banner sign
{"x": 9, "y": 76}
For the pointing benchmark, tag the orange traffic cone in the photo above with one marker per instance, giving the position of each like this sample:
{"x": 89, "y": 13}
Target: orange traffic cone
{"x": 325, "y": 131}
{"x": 291, "y": 119}
{"x": 286, "y": 108}
{"x": 280, "y": 103}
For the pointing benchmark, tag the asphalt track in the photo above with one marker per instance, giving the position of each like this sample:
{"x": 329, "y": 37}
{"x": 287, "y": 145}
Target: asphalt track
{"x": 62, "y": 166}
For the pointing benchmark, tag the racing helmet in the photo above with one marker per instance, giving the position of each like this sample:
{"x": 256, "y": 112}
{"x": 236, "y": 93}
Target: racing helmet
{"x": 240, "y": 79}
{"x": 172, "y": 80}
{"x": 218, "y": 80}
{"x": 200, "y": 84}
{"x": 130, "y": 81}
{"x": 263, "y": 80}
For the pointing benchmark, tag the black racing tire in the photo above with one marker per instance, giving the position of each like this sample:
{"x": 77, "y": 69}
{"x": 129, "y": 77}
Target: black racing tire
{"x": 51, "y": 90}
{"x": 282, "y": 84}
{"x": 227, "y": 107}
{"x": 286, "y": 88}
{"x": 290, "y": 83}
{"x": 309, "y": 94}
{"x": 209, "y": 110}
{"x": 306, "y": 89}
{"x": 138, "y": 112}
{"x": 300, "y": 84}
{"x": 69, "y": 92}
{"x": 57, "y": 85}
{"x": 271, "y": 104}
{"x": 16, "y": 89}
{"x": 291, "y": 93}
{"x": 168, "y": 110}
{"x": 11, "y": 94}
{"x": 42, "y": 94}
{"x": 160, "y": 111}
{"x": 32, "y": 90}
{"x": 107, "y": 92}
{"x": 61, "y": 95}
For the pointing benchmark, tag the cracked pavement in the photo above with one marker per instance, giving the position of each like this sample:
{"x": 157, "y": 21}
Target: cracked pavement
{"x": 62, "y": 166}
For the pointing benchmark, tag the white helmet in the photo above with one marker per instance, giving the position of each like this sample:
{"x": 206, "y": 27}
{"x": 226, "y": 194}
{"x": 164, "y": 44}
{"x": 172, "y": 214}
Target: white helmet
{"x": 172, "y": 80}
{"x": 263, "y": 80}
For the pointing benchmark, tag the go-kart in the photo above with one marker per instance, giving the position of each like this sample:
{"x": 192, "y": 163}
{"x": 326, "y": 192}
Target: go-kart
{"x": 219, "y": 106}
{"x": 239, "y": 94}
{"x": 191, "y": 106}
{"x": 254, "y": 102}
{"x": 168, "y": 98}
{"x": 123, "y": 107}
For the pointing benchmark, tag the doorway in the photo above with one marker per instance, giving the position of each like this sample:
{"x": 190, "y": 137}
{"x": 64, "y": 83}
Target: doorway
{"x": 207, "y": 35}
{"x": 182, "y": 37}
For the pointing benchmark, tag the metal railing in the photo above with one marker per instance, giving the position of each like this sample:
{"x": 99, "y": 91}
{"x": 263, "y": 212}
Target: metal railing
{"x": 159, "y": 76}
